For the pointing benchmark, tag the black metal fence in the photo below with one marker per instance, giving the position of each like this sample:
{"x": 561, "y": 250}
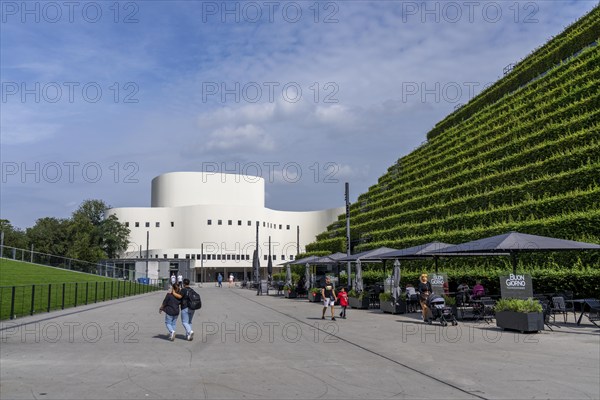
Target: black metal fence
{"x": 22, "y": 300}
{"x": 106, "y": 268}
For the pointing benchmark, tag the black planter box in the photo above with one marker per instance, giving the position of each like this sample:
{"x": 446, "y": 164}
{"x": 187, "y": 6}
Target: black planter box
{"x": 315, "y": 298}
{"x": 290, "y": 294}
{"x": 523, "y": 322}
{"x": 389, "y": 307}
{"x": 354, "y": 302}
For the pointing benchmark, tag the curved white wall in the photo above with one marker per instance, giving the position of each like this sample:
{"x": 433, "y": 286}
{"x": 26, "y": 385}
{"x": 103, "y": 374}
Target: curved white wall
{"x": 185, "y": 213}
{"x": 178, "y": 189}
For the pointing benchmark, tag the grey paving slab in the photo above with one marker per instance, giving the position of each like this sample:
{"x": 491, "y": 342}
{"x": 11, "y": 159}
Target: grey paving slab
{"x": 268, "y": 347}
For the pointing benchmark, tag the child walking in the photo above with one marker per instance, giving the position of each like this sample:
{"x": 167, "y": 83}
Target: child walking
{"x": 343, "y": 296}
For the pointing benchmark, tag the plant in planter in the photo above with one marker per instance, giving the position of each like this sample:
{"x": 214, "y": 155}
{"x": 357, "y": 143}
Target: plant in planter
{"x": 289, "y": 291}
{"x": 451, "y": 302}
{"x": 358, "y": 300}
{"x": 314, "y": 295}
{"x": 519, "y": 314}
{"x": 387, "y": 305}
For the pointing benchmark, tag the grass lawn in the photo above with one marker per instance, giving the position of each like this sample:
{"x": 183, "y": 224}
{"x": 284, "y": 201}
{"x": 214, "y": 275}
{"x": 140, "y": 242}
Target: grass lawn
{"x": 41, "y": 289}
{"x": 21, "y": 273}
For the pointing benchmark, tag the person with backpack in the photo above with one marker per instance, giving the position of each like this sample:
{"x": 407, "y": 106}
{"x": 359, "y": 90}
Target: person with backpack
{"x": 170, "y": 306}
{"x": 190, "y": 302}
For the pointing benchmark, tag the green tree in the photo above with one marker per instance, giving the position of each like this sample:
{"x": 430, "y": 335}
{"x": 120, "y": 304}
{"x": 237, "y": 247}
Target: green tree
{"x": 13, "y": 237}
{"x": 115, "y": 236}
{"x": 50, "y": 235}
{"x": 94, "y": 235}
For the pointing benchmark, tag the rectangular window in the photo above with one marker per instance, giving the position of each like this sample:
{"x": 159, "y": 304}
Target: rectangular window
{"x": 239, "y": 222}
{"x": 229, "y": 222}
{"x": 292, "y": 257}
{"x": 147, "y": 224}
{"x": 280, "y": 226}
{"x": 209, "y": 222}
{"x": 198, "y": 256}
{"x": 265, "y": 257}
{"x": 157, "y": 224}
{"x": 264, "y": 224}
{"x": 237, "y": 257}
{"x": 283, "y": 257}
{"x": 164, "y": 256}
{"x": 249, "y": 223}
{"x": 172, "y": 224}
{"x": 187, "y": 256}
{"x": 137, "y": 224}
{"x": 247, "y": 257}
{"x": 219, "y": 222}
{"x": 274, "y": 257}
{"x": 218, "y": 256}
{"x": 156, "y": 256}
{"x": 288, "y": 227}
{"x": 127, "y": 224}
{"x": 214, "y": 256}
{"x": 176, "y": 256}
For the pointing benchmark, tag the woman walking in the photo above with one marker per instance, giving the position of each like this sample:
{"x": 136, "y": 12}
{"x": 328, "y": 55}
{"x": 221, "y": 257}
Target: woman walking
{"x": 170, "y": 306}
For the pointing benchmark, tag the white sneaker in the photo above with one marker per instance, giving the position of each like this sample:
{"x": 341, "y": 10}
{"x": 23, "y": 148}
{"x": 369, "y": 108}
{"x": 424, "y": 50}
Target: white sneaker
{"x": 191, "y": 336}
{"x": 172, "y": 336}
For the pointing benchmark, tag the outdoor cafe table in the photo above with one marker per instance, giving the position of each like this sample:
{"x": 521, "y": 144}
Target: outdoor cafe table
{"x": 583, "y": 303}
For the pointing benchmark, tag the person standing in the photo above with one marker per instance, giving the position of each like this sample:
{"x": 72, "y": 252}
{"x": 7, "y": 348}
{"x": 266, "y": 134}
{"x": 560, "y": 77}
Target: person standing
{"x": 424, "y": 290}
{"x": 329, "y": 298}
{"x": 187, "y": 314}
{"x": 343, "y": 296}
{"x": 173, "y": 278}
{"x": 220, "y": 280}
{"x": 231, "y": 280}
{"x": 180, "y": 280}
{"x": 170, "y": 306}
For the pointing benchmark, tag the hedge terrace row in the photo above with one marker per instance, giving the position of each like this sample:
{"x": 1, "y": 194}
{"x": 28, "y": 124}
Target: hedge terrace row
{"x": 524, "y": 155}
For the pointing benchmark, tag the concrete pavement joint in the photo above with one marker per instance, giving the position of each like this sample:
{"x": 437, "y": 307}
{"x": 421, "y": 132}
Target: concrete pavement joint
{"x": 367, "y": 350}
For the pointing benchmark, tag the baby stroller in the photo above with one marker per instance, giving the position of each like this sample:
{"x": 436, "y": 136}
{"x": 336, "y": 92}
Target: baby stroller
{"x": 439, "y": 311}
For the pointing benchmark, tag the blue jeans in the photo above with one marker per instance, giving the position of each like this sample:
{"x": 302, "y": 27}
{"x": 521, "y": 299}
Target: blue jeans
{"x": 171, "y": 322}
{"x": 186, "y": 319}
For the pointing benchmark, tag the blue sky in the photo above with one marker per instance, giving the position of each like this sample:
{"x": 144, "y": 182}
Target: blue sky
{"x": 100, "y": 97}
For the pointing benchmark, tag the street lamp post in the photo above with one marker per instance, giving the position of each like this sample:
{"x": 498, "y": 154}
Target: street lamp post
{"x": 147, "y": 250}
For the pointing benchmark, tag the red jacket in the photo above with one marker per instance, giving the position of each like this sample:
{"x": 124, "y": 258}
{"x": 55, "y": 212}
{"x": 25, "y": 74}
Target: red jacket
{"x": 343, "y": 297}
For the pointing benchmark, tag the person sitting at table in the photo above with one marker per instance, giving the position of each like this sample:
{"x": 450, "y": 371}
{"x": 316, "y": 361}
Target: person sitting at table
{"x": 462, "y": 287}
{"x": 478, "y": 291}
{"x": 462, "y": 292}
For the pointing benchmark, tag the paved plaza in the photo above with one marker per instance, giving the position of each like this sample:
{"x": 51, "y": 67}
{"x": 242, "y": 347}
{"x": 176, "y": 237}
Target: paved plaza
{"x": 269, "y": 347}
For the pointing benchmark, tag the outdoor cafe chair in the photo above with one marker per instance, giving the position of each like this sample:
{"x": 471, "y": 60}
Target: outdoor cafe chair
{"x": 559, "y": 306}
{"x": 594, "y": 314}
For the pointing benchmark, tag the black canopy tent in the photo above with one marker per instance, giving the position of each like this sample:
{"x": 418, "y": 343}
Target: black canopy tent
{"x": 332, "y": 259}
{"x": 417, "y": 252}
{"x": 369, "y": 255}
{"x": 513, "y": 243}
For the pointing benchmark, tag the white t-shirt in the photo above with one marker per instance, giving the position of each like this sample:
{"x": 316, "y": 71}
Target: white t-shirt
{"x": 173, "y": 279}
{"x": 231, "y": 278}
{"x": 180, "y": 278}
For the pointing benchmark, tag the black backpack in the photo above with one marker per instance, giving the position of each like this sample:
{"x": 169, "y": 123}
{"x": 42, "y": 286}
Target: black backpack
{"x": 193, "y": 300}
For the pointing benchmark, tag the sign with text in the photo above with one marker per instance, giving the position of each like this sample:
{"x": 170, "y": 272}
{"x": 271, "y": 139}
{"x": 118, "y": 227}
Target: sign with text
{"x": 516, "y": 286}
{"x": 439, "y": 283}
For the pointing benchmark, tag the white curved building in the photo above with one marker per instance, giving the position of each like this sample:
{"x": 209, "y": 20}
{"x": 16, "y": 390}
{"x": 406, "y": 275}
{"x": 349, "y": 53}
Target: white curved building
{"x": 209, "y": 220}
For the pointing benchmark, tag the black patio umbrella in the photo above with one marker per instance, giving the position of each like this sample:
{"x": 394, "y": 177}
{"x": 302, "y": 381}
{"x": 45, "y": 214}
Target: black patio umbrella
{"x": 513, "y": 243}
{"x": 270, "y": 262}
{"x": 256, "y": 266}
{"x": 417, "y": 252}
